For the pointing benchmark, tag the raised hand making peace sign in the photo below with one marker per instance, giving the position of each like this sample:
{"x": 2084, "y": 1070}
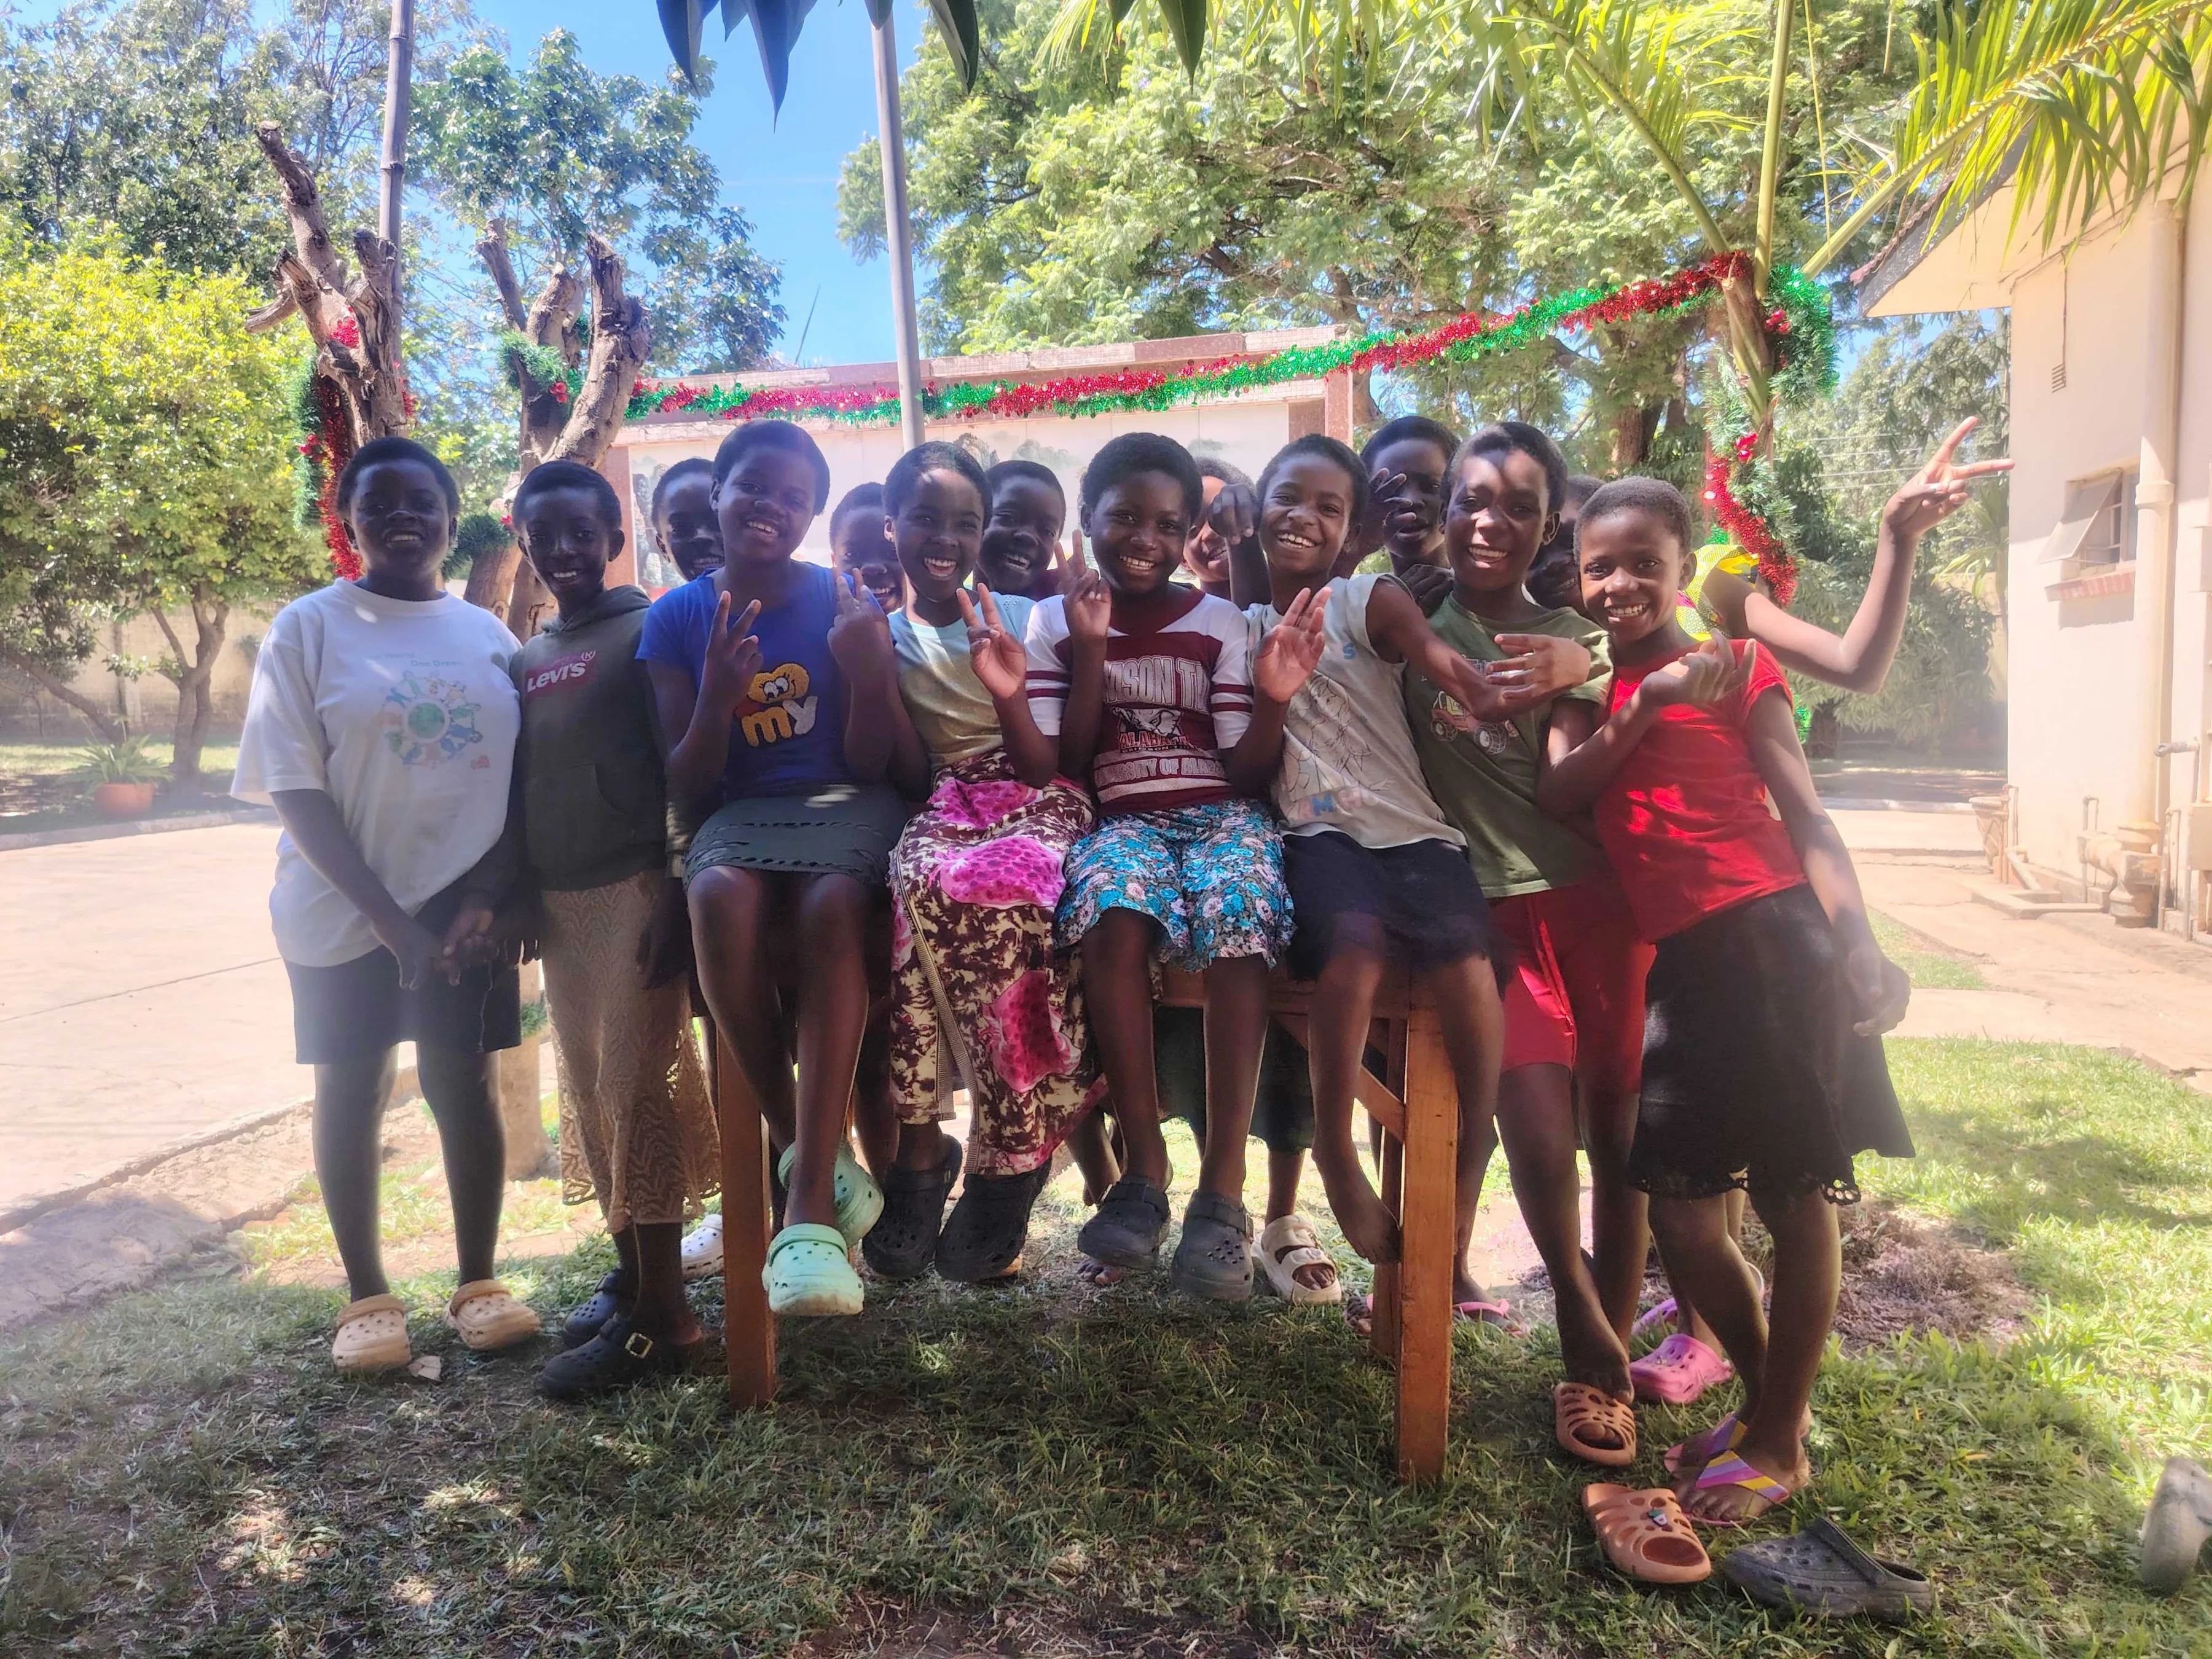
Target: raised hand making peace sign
{"x": 1089, "y": 601}
{"x": 733, "y": 657}
{"x": 1938, "y": 489}
{"x": 999, "y": 659}
{"x": 861, "y": 635}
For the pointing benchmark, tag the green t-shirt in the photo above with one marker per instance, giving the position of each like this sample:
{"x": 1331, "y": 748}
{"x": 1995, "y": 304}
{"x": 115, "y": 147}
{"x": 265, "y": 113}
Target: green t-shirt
{"x": 1483, "y": 773}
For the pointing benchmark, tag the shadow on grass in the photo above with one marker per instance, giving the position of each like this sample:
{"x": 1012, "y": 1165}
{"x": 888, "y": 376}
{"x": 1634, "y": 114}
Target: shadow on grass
{"x": 2071, "y": 1176}
{"x": 186, "y": 1475}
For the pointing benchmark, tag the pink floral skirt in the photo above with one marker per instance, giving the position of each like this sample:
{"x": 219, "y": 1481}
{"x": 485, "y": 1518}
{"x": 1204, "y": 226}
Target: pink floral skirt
{"x": 982, "y": 999}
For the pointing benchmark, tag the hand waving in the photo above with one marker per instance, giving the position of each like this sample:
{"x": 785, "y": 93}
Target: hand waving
{"x": 1288, "y": 655}
{"x": 1089, "y": 601}
{"x": 997, "y": 656}
{"x": 1374, "y": 524}
{"x": 1541, "y": 664}
{"x": 1938, "y": 489}
{"x": 733, "y": 657}
{"x": 861, "y": 635}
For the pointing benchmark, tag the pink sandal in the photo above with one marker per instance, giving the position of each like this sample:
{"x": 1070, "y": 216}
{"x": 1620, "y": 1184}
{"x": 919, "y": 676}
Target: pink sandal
{"x": 1662, "y": 1316}
{"x": 1498, "y": 1313}
{"x": 1678, "y": 1371}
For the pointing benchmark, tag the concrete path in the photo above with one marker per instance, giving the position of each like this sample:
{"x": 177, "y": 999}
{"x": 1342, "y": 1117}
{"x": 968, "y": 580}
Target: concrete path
{"x": 141, "y": 999}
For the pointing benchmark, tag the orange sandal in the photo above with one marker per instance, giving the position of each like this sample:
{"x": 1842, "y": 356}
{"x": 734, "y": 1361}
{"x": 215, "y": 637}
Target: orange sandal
{"x": 1583, "y": 1418}
{"x": 1646, "y": 1536}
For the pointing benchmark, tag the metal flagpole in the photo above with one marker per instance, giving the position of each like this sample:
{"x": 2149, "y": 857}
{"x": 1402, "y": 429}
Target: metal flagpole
{"x": 892, "y": 142}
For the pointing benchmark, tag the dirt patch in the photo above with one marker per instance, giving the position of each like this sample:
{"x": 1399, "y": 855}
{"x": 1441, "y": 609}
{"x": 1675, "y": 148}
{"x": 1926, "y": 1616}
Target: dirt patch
{"x": 1902, "y": 1275}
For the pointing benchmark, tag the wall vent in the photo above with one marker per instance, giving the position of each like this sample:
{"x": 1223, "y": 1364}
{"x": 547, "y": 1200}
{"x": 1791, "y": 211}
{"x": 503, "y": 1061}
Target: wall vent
{"x": 2058, "y": 378}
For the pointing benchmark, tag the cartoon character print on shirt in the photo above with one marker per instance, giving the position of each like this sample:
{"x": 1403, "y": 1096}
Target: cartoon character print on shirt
{"x": 428, "y": 720}
{"x": 778, "y": 706}
{"x": 1447, "y": 719}
{"x": 1325, "y": 769}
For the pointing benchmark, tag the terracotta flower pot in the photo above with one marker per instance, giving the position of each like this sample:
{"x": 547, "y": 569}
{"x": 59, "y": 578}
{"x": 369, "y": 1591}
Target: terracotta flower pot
{"x": 124, "y": 801}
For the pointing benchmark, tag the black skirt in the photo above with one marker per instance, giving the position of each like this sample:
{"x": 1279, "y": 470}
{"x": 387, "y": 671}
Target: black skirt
{"x": 1419, "y": 905}
{"x": 1752, "y": 1076}
{"x": 358, "y": 1007}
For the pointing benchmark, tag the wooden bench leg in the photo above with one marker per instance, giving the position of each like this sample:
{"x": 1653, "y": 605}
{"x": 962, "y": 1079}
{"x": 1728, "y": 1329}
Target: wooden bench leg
{"x": 1426, "y": 1218}
{"x": 748, "y": 1328}
{"x": 1383, "y": 1337}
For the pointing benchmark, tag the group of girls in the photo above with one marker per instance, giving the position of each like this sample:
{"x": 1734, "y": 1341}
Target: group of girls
{"x": 958, "y": 818}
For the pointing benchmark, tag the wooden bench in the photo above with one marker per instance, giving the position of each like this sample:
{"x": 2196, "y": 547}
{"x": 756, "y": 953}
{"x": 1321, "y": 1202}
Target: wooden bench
{"x": 1416, "y": 1104}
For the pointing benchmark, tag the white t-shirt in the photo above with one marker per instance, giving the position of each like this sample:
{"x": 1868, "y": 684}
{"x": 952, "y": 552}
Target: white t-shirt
{"x": 403, "y": 713}
{"x": 1348, "y": 758}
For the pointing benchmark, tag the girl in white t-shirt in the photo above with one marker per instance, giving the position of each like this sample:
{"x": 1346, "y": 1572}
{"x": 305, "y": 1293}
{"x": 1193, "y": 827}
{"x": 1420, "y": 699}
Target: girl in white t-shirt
{"x": 382, "y": 727}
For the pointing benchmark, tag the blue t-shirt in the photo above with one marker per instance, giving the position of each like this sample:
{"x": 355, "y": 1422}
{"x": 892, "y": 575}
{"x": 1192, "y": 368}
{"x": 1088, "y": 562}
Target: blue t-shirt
{"x": 788, "y": 737}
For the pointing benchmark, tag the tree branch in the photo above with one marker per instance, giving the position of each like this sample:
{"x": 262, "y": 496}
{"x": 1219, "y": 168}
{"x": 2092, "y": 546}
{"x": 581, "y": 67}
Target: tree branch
{"x": 62, "y": 691}
{"x": 491, "y": 248}
{"x": 303, "y": 205}
{"x": 621, "y": 338}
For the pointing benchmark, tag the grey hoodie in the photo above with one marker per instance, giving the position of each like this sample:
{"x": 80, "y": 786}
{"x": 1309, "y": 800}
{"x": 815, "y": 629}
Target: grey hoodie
{"x": 590, "y": 790}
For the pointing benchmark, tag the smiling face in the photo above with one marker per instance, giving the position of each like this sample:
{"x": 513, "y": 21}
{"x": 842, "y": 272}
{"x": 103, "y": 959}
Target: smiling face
{"x": 859, "y": 546}
{"x": 1304, "y": 517}
{"x": 1632, "y": 570}
{"x": 1021, "y": 537}
{"x": 1411, "y": 522}
{"x": 1499, "y": 516}
{"x": 764, "y": 503}
{"x": 1206, "y": 554}
{"x": 686, "y": 524}
{"x": 937, "y": 533}
{"x": 566, "y": 533}
{"x": 400, "y": 521}
{"x": 1138, "y": 529}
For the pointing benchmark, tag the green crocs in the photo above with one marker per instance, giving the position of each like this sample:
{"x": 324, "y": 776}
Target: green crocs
{"x": 808, "y": 1273}
{"x": 860, "y": 1200}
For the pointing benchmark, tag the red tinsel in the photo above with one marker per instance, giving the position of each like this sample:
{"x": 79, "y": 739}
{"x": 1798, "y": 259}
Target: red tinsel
{"x": 331, "y": 448}
{"x": 1746, "y": 528}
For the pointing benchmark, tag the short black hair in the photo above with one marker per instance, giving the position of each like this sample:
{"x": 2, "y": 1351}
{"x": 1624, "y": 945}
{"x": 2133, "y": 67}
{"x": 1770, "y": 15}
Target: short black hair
{"x": 1579, "y": 488}
{"x": 1213, "y": 466}
{"x": 774, "y": 434}
{"x": 1506, "y": 437}
{"x": 683, "y": 469}
{"x": 1142, "y": 451}
{"x": 1412, "y": 426}
{"x": 859, "y": 499}
{"x": 906, "y": 474}
{"x": 1331, "y": 450}
{"x": 394, "y": 449}
{"x": 1638, "y": 495}
{"x": 567, "y": 475}
{"x": 1004, "y": 471}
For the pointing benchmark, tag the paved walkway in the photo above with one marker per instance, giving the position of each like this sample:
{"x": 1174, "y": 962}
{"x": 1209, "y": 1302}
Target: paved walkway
{"x": 141, "y": 999}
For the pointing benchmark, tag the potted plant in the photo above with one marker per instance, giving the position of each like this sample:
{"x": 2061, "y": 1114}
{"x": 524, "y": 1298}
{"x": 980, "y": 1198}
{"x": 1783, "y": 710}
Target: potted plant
{"x": 120, "y": 777}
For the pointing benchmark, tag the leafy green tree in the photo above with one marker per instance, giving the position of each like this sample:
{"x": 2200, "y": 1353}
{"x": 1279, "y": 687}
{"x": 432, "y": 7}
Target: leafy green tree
{"x": 145, "y": 467}
{"x": 540, "y": 155}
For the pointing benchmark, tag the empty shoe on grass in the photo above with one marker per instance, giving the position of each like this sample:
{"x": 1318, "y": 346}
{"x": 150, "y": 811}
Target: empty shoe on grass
{"x": 2179, "y": 1522}
{"x": 1678, "y": 1371}
{"x": 1820, "y": 1571}
{"x": 372, "y": 1336}
{"x": 703, "y": 1248}
{"x": 1645, "y": 1535}
{"x": 490, "y": 1316}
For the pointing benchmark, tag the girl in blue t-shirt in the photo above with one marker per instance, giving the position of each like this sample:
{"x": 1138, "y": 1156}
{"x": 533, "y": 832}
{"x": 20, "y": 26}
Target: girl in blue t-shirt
{"x": 775, "y": 673}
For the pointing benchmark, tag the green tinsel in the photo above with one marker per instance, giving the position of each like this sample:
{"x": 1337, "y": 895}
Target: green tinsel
{"x": 306, "y": 476}
{"x": 519, "y": 356}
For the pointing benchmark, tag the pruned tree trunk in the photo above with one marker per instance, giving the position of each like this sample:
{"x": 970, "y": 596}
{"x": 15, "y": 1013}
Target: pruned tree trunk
{"x": 193, "y": 676}
{"x": 1629, "y": 431}
{"x": 101, "y": 721}
{"x": 1747, "y": 349}
{"x": 555, "y": 425}
{"x": 353, "y": 320}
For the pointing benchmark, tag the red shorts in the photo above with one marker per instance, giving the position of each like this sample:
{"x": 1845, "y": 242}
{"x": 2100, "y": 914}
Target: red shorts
{"x": 1575, "y": 997}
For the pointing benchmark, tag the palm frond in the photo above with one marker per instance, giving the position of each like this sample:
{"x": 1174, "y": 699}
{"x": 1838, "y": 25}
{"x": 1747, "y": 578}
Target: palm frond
{"x": 2086, "y": 106}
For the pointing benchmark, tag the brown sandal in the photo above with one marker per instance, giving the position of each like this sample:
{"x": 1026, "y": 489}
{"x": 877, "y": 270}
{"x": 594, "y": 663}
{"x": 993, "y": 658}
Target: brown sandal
{"x": 1646, "y": 1536}
{"x": 1583, "y": 1418}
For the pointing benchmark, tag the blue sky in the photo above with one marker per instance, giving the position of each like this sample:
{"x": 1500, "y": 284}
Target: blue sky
{"x": 782, "y": 170}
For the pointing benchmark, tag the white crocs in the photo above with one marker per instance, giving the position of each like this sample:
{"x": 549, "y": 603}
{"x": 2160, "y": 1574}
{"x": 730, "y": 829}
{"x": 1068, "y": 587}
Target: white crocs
{"x": 703, "y": 1249}
{"x": 489, "y": 1315}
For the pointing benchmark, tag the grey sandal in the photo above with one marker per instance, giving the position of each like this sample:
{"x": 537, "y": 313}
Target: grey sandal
{"x": 1126, "y": 1230}
{"x": 1820, "y": 1571}
{"x": 1214, "y": 1258}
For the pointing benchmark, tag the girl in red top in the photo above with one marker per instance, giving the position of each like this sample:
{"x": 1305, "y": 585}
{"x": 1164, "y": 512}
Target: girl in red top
{"x": 1762, "y": 1069}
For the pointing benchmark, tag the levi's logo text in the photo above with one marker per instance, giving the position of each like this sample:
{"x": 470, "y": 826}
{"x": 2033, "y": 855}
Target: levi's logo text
{"x": 778, "y": 705}
{"x": 562, "y": 670}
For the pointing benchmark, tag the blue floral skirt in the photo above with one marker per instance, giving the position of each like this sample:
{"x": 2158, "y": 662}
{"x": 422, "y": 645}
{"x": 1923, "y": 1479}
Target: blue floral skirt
{"x": 1210, "y": 875}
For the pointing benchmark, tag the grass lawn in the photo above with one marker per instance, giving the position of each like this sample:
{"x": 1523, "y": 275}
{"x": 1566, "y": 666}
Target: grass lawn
{"x": 36, "y": 792}
{"x": 1048, "y": 1470}
{"x": 1930, "y": 965}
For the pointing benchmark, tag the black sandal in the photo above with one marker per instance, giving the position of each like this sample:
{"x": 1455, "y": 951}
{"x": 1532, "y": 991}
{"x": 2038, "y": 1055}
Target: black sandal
{"x": 985, "y": 1234}
{"x": 615, "y": 1293}
{"x": 903, "y": 1241}
{"x": 621, "y": 1355}
{"x": 1126, "y": 1229}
